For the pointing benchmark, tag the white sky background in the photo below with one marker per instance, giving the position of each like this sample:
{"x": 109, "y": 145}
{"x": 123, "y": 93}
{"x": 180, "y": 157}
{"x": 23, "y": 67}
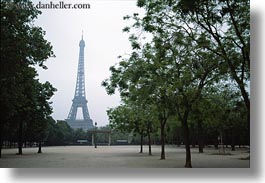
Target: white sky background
{"x": 102, "y": 25}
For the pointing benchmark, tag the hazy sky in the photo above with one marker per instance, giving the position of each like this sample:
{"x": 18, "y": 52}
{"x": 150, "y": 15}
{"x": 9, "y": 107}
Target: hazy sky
{"x": 102, "y": 25}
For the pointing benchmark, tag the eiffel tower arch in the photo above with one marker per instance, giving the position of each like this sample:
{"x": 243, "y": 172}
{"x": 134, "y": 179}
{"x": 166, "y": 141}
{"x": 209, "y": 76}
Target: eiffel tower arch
{"x": 79, "y": 100}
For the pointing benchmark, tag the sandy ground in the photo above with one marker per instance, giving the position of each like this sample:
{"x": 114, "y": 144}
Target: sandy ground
{"x": 120, "y": 156}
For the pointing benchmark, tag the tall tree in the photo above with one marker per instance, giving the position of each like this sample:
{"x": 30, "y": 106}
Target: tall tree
{"x": 202, "y": 40}
{"x": 143, "y": 87}
{"x": 225, "y": 27}
{"x": 38, "y": 125}
{"x": 22, "y": 46}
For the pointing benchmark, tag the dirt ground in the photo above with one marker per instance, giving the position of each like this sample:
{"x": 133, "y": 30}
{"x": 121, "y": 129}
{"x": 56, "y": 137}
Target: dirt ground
{"x": 121, "y": 156}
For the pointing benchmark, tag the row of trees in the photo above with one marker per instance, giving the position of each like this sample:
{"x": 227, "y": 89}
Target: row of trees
{"x": 195, "y": 70}
{"x": 59, "y": 133}
{"x": 24, "y": 100}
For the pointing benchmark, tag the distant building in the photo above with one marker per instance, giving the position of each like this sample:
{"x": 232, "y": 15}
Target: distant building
{"x": 79, "y": 100}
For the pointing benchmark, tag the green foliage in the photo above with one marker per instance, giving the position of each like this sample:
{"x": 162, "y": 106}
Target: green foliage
{"x": 24, "y": 101}
{"x": 60, "y": 133}
{"x": 129, "y": 118}
{"x": 196, "y": 47}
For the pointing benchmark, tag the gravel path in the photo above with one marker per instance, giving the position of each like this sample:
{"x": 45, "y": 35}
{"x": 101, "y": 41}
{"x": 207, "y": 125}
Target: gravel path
{"x": 120, "y": 156}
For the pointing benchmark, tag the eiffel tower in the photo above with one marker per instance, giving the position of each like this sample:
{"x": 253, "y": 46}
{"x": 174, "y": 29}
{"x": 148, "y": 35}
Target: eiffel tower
{"x": 79, "y": 100}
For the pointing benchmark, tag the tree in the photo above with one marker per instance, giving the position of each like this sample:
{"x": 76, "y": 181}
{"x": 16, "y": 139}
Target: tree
{"x": 130, "y": 117}
{"x": 42, "y": 111}
{"x": 22, "y": 46}
{"x": 225, "y": 24}
{"x": 60, "y": 133}
{"x": 147, "y": 88}
{"x": 194, "y": 34}
{"x": 183, "y": 58}
{"x": 66, "y": 130}
{"x": 223, "y": 28}
{"x": 221, "y": 114}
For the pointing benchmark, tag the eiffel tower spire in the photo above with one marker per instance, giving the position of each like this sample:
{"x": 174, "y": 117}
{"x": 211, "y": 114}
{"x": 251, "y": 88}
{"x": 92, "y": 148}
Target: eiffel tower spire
{"x": 79, "y": 100}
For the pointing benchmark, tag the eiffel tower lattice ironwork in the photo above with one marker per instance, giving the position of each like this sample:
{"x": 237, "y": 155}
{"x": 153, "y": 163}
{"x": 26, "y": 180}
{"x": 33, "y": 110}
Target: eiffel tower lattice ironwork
{"x": 79, "y": 100}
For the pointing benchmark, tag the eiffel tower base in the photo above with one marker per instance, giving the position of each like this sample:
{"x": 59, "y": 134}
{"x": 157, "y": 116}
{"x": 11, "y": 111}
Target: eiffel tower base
{"x": 83, "y": 124}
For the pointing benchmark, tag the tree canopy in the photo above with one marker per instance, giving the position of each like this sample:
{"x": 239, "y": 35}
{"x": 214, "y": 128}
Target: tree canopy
{"x": 24, "y": 101}
{"x": 195, "y": 47}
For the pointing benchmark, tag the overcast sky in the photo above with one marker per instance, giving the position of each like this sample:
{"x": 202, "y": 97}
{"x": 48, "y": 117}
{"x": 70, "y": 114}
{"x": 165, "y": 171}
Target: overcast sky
{"x": 102, "y": 25}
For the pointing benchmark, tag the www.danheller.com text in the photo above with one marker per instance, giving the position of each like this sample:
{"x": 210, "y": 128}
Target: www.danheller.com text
{"x": 61, "y": 5}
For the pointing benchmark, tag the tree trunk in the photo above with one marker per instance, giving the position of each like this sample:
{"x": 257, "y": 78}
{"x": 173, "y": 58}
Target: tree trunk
{"x": 216, "y": 143}
{"x": 20, "y": 137}
{"x": 187, "y": 142}
{"x": 162, "y": 133}
{"x": 178, "y": 137}
{"x": 39, "y": 151}
{"x": 192, "y": 136}
{"x": 233, "y": 143}
{"x": 149, "y": 143}
{"x": 200, "y": 136}
{"x": 248, "y": 118}
{"x": 141, "y": 146}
